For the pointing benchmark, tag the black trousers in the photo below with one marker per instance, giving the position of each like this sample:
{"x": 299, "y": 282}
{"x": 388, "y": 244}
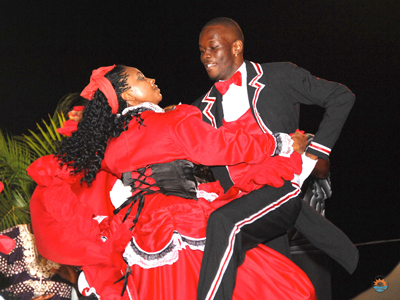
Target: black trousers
{"x": 238, "y": 227}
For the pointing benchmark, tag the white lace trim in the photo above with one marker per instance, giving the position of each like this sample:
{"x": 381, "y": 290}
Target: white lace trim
{"x": 286, "y": 144}
{"x": 99, "y": 218}
{"x": 210, "y": 197}
{"x": 152, "y": 106}
{"x": 134, "y": 255}
{"x": 36, "y": 266}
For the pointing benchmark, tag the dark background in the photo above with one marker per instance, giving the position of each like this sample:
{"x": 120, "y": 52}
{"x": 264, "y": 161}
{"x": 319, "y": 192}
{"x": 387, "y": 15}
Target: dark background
{"x": 48, "y": 49}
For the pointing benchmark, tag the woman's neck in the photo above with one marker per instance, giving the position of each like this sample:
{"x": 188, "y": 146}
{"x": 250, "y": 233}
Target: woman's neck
{"x": 143, "y": 106}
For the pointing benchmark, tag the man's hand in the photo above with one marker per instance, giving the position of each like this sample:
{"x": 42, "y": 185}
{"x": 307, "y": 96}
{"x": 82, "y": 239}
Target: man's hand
{"x": 322, "y": 168}
{"x": 299, "y": 142}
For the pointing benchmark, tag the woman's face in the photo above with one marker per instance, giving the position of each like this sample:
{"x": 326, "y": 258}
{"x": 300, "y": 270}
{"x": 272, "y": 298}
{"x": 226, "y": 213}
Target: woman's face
{"x": 142, "y": 89}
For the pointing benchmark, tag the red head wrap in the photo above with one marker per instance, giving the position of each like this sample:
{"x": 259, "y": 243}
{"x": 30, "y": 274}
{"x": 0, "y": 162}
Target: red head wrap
{"x": 99, "y": 82}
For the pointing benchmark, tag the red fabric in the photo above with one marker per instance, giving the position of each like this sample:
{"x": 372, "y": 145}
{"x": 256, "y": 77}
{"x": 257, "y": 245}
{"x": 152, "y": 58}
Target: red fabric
{"x": 223, "y": 86}
{"x": 58, "y": 215}
{"x": 1, "y": 186}
{"x": 271, "y": 172}
{"x": 161, "y": 216}
{"x": 79, "y": 108}
{"x": 274, "y": 276}
{"x": 265, "y": 274}
{"x": 99, "y": 82}
{"x": 68, "y": 127}
{"x": 65, "y": 232}
{"x": 181, "y": 134}
{"x": 6, "y": 244}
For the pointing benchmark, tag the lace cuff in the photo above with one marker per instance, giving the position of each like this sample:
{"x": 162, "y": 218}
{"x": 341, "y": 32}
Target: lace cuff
{"x": 284, "y": 144}
{"x": 134, "y": 255}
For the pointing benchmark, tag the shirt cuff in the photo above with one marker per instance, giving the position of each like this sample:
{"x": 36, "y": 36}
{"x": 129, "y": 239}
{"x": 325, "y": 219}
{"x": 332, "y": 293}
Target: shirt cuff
{"x": 319, "y": 150}
{"x": 284, "y": 144}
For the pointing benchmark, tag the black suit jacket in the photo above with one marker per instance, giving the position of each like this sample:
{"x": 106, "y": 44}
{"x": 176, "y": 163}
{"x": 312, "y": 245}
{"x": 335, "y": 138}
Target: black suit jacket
{"x": 275, "y": 92}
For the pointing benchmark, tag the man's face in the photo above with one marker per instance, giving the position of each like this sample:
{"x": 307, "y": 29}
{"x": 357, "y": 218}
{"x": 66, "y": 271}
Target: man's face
{"x": 217, "y": 52}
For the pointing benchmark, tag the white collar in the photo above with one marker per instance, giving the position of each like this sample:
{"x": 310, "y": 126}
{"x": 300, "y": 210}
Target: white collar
{"x": 242, "y": 70}
{"x": 149, "y": 105}
{"x": 235, "y": 102}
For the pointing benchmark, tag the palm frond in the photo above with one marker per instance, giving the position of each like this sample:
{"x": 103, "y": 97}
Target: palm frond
{"x": 15, "y": 157}
{"x": 14, "y": 209}
{"x": 67, "y": 102}
{"x": 43, "y": 143}
{"x": 34, "y": 146}
{"x": 17, "y": 153}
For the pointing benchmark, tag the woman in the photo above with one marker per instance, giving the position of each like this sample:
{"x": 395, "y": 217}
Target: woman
{"x": 124, "y": 131}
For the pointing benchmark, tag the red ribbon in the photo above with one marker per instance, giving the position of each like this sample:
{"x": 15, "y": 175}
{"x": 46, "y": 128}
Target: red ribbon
{"x": 68, "y": 127}
{"x": 99, "y": 82}
{"x": 223, "y": 86}
{"x": 79, "y": 108}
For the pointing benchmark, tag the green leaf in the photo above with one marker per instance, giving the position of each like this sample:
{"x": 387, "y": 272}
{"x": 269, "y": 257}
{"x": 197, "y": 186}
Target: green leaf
{"x": 49, "y": 145}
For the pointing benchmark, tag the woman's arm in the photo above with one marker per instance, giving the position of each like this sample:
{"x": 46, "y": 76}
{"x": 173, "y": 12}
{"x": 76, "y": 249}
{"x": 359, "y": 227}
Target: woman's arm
{"x": 204, "y": 144}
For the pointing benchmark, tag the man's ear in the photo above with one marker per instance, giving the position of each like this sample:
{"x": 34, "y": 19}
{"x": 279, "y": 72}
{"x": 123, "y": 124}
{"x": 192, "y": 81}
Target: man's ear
{"x": 237, "y": 47}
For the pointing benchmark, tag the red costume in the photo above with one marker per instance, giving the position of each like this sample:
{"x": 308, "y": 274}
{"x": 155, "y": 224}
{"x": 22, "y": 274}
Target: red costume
{"x": 167, "y": 241}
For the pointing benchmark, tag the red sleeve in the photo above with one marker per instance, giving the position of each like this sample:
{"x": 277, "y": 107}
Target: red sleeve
{"x": 272, "y": 172}
{"x": 204, "y": 144}
{"x": 64, "y": 229}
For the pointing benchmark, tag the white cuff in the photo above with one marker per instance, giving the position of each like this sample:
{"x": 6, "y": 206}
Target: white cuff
{"x": 308, "y": 166}
{"x": 119, "y": 193}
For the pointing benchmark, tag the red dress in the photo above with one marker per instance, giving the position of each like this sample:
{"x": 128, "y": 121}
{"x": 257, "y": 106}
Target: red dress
{"x": 170, "y": 233}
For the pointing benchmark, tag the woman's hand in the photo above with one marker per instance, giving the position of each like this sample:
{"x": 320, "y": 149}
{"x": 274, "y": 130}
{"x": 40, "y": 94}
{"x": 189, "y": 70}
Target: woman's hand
{"x": 75, "y": 115}
{"x": 170, "y": 107}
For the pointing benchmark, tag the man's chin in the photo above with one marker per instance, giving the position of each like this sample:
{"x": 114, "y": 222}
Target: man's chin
{"x": 213, "y": 77}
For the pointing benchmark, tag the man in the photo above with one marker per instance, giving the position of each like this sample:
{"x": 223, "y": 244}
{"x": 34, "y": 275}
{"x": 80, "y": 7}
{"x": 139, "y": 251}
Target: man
{"x": 264, "y": 97}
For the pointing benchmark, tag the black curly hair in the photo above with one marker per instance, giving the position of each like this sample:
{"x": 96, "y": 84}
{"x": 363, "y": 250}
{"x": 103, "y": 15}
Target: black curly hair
{"x": 84, "y": 150}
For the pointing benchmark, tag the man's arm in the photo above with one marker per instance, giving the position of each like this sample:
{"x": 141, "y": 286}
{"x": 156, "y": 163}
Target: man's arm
{"x": 335, "y": 98}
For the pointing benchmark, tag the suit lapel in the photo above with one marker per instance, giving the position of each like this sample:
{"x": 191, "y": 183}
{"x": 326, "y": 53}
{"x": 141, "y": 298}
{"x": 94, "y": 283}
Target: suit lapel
{"x": 212, "y": 108}
{"x": 254, "y": 88}
{"x": 213, "y": 114}
{"x": 251, "y": 75}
